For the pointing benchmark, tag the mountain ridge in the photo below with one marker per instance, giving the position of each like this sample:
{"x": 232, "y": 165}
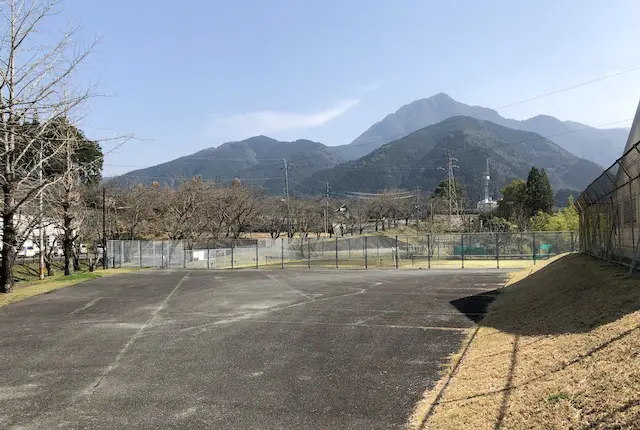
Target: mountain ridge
{"x": 602, "y": 146}
{"x": 416, "y": 160}
{"x": 257, "y": 160}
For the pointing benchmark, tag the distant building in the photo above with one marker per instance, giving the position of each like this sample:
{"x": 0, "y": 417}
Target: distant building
{"x": 23, "y": 223}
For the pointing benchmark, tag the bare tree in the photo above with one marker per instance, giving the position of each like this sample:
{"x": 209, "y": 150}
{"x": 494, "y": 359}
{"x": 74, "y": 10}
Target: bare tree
{"x": 243, "y": 206}
{"x": 308, "y": 216}
{"x": 273, "y": 216}
{"x": 180, "y": 210}
{"x": 31, "y": 74}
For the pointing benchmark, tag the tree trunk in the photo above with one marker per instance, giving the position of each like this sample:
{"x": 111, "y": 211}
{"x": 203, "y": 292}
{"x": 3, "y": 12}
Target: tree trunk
{"x": 48, "y": 265}
{"x": 67, "y": 246}
{"x": 8, "y": 248}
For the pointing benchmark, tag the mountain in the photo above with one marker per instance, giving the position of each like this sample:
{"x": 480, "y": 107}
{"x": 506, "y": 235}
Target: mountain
{"x": 416, "y": 160}
{"x": 257, "y": 160}
{"x": 602, "y": 146}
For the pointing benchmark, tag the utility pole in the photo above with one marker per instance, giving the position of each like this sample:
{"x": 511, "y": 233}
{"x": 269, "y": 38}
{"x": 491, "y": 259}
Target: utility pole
{"x": 286, "y": 194}
{"x": 450, "y": 182}
{"x": 417, "y": 210}
{"x": 326, "y": 212}
{"x": 40, "y": 230}
{"x": 104, "y": 228}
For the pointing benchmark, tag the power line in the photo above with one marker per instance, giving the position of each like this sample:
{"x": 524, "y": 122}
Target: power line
{"x": 485, "y": 110}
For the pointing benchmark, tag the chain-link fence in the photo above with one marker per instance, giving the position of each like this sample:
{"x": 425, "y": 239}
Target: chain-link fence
{"x": 609, "y": 210}
{"x": 472, "y": 250}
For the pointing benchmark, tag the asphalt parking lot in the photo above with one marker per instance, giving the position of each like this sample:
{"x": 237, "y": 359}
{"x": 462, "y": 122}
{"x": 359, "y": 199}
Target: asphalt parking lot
{"x": 248, "y": 349}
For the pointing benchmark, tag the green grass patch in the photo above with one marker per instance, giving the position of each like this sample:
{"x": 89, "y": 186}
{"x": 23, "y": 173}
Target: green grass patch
{"x": 557, "y": 397}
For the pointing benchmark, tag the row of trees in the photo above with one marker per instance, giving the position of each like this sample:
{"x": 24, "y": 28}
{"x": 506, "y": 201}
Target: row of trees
{"x": 529, "y": 205}
{"x": 197, "y": 209}
{"x": 46, "y": 162}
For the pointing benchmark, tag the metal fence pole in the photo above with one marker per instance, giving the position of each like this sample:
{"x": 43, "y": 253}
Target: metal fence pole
{"x": 497, "y": 250}
{"x": 407, "y": 242}
{"x": 208, "y": 256}
{"x": 462, "y": 248}
{"x": 533, "y": 248}
{"x": 121, "y": 252}
{"x": 428, "y": 251}
{"x": 308, "y": 253}
{"x": 153, "y": 253}
{"x": 281, "y": 253}
{"x": 557, "y": 243}
{"x": 162, "y": 257}
{"x": 572, "y": 243}
{"x": 140, "y": 252}
{"x": 184, "y": 256}
{"x": 232, "y": 254}
{"x": 257, "y": 256}
{"x": 366, "y": 262}
{"x": 336, "y": 251}
{"x": 396, "y": 256}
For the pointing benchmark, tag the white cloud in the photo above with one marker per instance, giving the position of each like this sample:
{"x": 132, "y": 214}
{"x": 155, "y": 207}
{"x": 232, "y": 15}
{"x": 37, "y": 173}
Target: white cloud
{"x": 240, "y": 126}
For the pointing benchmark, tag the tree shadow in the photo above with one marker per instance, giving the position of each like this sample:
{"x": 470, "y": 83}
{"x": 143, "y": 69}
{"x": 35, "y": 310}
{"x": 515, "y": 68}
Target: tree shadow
{"x": 573, "y": 294}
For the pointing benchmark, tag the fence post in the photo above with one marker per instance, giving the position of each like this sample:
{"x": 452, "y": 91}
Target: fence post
{"x": 396, "y": 256}
{"x": 257, "y": 255}
{"x": 308, "y": 253}
{"x": 153, "y": 252}
{"x": 497, "y": 249}
{"x": 140, "y": 252}
{"x": 406, "y": 241}
{"x": 162, "y": 256}
{"x": 208, "y": 256}
{"x": 105, "y": 258}
{"x": 533, "y": 248}
{"x": 572, "y": 243}
{"x": 184, "y": 256}
{"x": 462, "y": 248}
{"x": 336, "y": 251}
{"x": 428, "y": 251}
{"x": 557, "y": 243}
{"x": 121, "y": 252}
{"x": 281, "y": 253}
{"x": 366, "y": 262}
{"x": 232, "y": 254}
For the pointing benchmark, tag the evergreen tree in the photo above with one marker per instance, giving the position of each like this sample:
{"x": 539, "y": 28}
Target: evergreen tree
{"x": 539, "y": 195}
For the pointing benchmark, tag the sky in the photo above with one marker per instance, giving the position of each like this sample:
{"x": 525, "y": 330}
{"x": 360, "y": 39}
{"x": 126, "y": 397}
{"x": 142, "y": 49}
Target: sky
{"x": 184, "y": 76}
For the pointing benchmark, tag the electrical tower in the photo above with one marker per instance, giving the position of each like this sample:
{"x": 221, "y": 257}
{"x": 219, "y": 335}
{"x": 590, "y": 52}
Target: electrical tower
{"x": 487, "y": 178}
{"x": 451, "y": 187}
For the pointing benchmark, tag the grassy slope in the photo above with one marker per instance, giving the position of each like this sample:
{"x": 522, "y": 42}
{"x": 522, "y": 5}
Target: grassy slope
{"x": 558, "y": 349}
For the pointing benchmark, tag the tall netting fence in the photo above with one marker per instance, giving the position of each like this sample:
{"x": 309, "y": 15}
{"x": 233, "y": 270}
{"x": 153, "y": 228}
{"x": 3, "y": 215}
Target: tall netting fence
{"x": 145, "y": 253}
{"x": 472, "y": 250}
{"x": 609, "y": 209}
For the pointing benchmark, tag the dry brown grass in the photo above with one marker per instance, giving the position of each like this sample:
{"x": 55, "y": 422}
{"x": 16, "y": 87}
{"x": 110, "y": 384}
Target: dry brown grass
{"x": 559, "y": 349}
